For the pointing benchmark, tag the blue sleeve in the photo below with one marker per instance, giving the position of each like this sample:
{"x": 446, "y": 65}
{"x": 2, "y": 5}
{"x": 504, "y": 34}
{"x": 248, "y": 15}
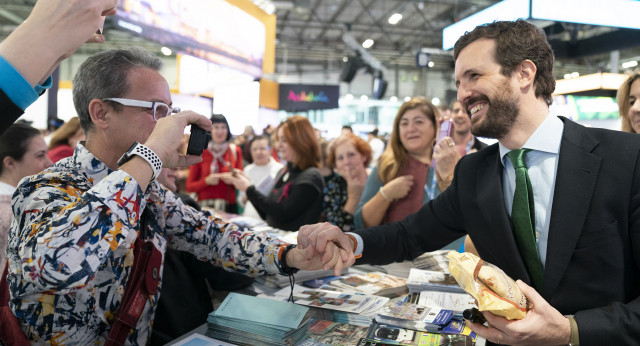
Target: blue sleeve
{"x": 19, "y": 91}
{"x": 370, "y": 190}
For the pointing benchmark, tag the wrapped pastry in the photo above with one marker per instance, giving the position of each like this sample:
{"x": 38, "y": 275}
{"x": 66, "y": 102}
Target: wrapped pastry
{"x": 494, "y": 290}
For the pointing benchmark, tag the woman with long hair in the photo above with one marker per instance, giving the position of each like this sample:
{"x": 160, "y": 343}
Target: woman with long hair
{"x": 404, "y": 178}
{"x": 206, "y": 178}
{"x": 64, "y": 140}
{"x": 23, "y": 152}
{"x": 348, "y": 156}
{"x": 296, "y": 198}
{"x": 628, "y": 98}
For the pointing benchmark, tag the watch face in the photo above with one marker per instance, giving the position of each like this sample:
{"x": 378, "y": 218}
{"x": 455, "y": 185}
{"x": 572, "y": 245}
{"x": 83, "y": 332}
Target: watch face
{"x": 126, "y": 156}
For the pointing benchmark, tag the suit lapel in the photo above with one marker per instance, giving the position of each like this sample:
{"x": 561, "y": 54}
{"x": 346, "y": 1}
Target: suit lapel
{"x": 575, "y": 183}
{"x": 496, "y": 221}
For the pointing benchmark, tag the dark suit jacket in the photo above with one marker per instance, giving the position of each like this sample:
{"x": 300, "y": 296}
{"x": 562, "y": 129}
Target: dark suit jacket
{"x": 9, "y": 112}
{"x": 593, "y": 255}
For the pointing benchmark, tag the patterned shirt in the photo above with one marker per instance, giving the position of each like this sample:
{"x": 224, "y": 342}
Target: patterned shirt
{"x": 71, "y": 248}
{"x": 335, "y": 197}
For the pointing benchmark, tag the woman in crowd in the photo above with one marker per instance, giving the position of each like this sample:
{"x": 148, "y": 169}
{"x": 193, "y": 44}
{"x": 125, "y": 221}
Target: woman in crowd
{"x": 628, "y": 98}
{"x": 296, "y": 198}
{"x": 64, "y": 140}
{"x": 218, "y": 161}
{"x": 23, "y": 152}
{"x": 350, "y": 155}
{"x": 404, "y": 179}
{"x": 262, "y": 172}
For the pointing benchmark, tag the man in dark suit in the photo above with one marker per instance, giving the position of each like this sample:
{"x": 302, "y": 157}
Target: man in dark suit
{"x": 586, "y": 188}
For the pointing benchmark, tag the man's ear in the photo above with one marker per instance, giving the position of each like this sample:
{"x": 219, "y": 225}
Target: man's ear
{"x": 99, "y": 112}
{"x": 527, "y": 74}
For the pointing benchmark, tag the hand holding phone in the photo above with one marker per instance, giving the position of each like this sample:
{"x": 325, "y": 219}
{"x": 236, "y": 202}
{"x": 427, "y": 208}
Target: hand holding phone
{"x": 198, "y": 140}
{"x": 444, "y": 131}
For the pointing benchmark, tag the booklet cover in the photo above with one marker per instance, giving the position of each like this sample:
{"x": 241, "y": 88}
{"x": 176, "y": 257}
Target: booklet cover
{"x": 422, "y": 280}
{"x": 260, "y": 310}
{"x": 412, "y": 316}
{"x": 377, "y": 283}
{"x": 381, "y": 334}
{"x": 322, "y": 332}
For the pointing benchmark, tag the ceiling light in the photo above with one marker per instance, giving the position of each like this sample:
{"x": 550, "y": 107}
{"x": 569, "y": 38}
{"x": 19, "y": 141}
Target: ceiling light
{"x": 406, "y": 99}
{"x": 367, "y": 43}
{"x": 395, "y": 18}
{"x": 567, "y": 76}
{"x": 393, "y": 99}
{"x": 364, "y": 98}
{"x": 435, "y": 101}
{"x": 575, "y": 75}
{"x": 431, "y": 64}
{"x": 166, "y": 51}
{"x": 629, "y": 64}
{"x": 348, "y": 97}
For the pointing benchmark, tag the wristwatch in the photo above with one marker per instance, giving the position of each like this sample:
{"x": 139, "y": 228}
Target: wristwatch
{"x": 145, "y": 153}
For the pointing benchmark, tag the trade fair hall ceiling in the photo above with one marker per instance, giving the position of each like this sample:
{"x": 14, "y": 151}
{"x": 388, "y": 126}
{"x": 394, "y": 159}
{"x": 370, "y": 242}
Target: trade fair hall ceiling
{"x": 310, "y": 34}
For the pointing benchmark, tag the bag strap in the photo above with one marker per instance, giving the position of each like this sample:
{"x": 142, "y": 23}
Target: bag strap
{"x": 142, "y": 283}
{"x": 4, "y": 287}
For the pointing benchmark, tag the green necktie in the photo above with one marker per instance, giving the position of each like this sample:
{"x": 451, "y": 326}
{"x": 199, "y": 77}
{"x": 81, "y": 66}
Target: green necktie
{"x": 523, "y": 217}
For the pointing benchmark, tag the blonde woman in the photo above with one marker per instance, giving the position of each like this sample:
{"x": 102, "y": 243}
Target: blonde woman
{"x": 404, "y": 179}
{"x": 628, "y": 98}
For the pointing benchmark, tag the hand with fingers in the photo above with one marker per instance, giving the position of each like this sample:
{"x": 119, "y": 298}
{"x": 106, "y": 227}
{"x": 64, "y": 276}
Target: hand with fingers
{"x": 239, "y": 180}
{"x": 543, "y": 324}
{"x": 52, "y": 32}
{"x": 322, "y": 237}
{"x": 308, "y": 258}
{"x": 446, "y": 157}
{"x": 167, "y": 137}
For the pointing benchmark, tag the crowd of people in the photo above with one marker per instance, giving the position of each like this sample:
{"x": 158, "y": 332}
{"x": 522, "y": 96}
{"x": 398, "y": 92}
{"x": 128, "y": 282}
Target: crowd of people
{"x": 73, "y": 233}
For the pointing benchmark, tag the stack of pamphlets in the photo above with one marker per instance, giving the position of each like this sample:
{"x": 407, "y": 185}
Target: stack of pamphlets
{"x": 277, "y": 280}
{"x": 341, "y": 316}
{"x": 322, "y": 332}
{"x": 376, "y": 283}
{"x": 247, "y": 320}
{"x": 352, "y": 302}
{"x": 422, "y": 280}
{"x": 382, "y": 334}
{"x": 435, "y": 260}
{"x": 416, "y": 317}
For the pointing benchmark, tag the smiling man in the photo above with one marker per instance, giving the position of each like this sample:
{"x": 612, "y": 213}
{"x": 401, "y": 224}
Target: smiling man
{"x": 71, "y": 249}
{"x": 581, "y": 251}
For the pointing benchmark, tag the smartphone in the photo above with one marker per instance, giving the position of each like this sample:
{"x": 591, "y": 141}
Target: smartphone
{"x": 445, "y": 130}
{"x": 198, "y": 140}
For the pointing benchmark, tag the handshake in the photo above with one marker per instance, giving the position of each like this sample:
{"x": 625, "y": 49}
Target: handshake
{"x": 322, "y": 246}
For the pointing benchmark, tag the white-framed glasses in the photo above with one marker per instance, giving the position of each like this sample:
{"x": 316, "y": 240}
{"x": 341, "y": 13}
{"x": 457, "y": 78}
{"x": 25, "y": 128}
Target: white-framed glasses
{"x": 160, "y": 109}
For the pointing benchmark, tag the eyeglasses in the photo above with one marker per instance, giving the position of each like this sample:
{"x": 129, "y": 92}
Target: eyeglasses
{"x": 160, "y": 110}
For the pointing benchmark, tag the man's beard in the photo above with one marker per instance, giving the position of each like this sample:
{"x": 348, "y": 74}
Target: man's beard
{"x": 499, "y": 119}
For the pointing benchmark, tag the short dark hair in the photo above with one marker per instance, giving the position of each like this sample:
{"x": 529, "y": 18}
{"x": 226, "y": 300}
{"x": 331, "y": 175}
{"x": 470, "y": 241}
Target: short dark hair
{"x": 219, "y": 118}
{"x": 14, "y": 142}
{"x": 259, "y": 138}
{"x": 516, "y": 42}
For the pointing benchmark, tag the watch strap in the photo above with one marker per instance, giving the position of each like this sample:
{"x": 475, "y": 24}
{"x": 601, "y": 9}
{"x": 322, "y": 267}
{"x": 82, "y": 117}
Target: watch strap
{"x": 147, "y": 154}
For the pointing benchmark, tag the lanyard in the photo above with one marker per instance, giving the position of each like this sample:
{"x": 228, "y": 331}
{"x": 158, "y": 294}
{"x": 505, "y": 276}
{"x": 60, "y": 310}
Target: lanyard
{"x": 469, "y": 145}
{"x": 430, "y": 191}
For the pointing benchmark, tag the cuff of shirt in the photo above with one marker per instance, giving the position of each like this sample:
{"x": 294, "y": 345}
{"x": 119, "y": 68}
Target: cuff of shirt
{"x": 357, "y": 252}
{"x": 17, "y": 89}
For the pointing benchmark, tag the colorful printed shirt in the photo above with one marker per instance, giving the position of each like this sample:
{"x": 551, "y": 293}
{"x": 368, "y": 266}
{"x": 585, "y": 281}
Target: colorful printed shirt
{"x": 71, "y": 248}
{"x": 335, "y": 197}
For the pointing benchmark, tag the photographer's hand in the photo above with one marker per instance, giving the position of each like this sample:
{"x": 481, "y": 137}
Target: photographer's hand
{"x": 167, "y": 136}
{"x": 52, "y": 32}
